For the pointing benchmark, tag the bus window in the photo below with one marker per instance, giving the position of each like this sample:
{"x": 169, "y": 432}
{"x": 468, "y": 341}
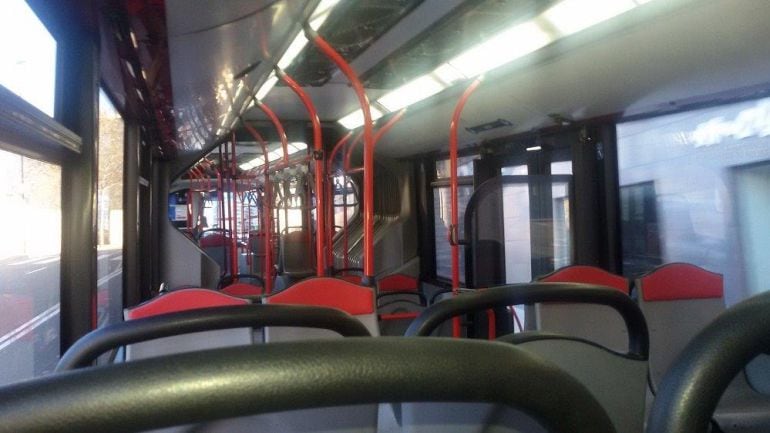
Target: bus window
{"x": 30, "y": 251}
{"x": 27, "y": 69}
{"x": 109, "y": 298}
{"x": 697, "y": 185}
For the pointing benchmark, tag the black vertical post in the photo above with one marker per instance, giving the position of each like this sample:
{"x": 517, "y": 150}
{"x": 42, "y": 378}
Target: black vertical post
{"x": 77, "y": 83}
{"x": 608, "y": 153}
{"x": 425, "y": 172}
{"x": 587, "y": 206}
{"x": 131, "y": 293}
{"x": 487, "y": 268}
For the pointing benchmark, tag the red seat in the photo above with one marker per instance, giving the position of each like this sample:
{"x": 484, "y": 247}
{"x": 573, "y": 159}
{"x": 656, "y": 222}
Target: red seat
{"x": 355, "y": 279}
{"x": 587, "y": 275}
{"x": 397, "y": 283}
{"x": 182, "y": 300}
{"x": 328, "y": 292}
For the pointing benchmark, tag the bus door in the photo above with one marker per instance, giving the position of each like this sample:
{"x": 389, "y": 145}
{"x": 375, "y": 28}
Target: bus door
{"x": 517, "y": 227}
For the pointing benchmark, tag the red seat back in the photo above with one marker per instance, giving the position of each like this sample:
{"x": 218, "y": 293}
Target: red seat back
{"x": 398, "y": 282}
{"x": 182, "y": 300}
{"x": 328, "y": 292}
{"x": 680, "y": 281}
{"x": 587, "y": 275}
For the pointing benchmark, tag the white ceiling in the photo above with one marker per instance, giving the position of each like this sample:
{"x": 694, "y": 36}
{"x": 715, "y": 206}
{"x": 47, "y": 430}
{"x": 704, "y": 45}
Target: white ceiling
{"x": 663, "y": 53}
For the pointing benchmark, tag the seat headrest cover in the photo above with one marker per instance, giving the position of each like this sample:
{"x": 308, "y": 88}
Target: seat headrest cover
{"x": 182, "y": 300}
{"x": 327, "y": 292}
{"x": 397, "y": 282}
{"x": 587, "y": 275}
{"x": 680, "y": 281}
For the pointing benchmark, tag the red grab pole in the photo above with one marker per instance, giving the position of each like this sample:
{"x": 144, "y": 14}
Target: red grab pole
{"x": 267, "y": 212}
{"x": 318, "y": 151}
{"x": 454, "y": 218}
{"x": 368, "y": 149}
{"x": 279, "y": 127}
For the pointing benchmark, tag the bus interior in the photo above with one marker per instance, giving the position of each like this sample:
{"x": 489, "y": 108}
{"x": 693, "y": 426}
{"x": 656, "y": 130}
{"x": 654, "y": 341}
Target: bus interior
{"x": 521, "y": 215}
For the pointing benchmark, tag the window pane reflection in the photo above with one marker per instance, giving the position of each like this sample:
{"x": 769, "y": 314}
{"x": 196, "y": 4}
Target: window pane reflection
{"x": 29, "y": 267}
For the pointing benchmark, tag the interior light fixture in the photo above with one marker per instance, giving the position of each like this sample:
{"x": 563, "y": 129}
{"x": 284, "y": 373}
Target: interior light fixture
{"x": 275, "y": 154}
{"x": 448, "y": 74}
{"x": 317, "y": 19}
{"x": 416, "y": 90}
{"x": 534, "y": 148}
{"x": 267, "y": 86}
{"x": 503, "y": 48}
{"x": 572, "y": 16}
{"x": 356, "y": 118}
{"x": 563, "y": 19}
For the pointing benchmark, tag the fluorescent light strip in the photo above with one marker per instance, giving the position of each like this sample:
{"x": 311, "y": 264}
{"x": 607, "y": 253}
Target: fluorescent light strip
{"x": 356, "y": 118}
{"x": 274, "y": 155}
{"x": 422, "y": 88}
{"x": 503, "y": 48}
{"x": 317, "y": 19}
{"x": 567, "y": 17}
{"x": 572, "y": 16}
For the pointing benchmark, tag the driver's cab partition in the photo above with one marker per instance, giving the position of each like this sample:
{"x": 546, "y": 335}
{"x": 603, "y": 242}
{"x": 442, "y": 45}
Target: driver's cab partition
{"x": 618, "y": 380}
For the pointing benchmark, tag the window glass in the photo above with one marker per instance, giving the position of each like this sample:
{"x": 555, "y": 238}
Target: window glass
{"x": 695, "y": 187}
{"x": 27, "y": 69}
{"x": 109, "y": 298}
{"x": 464, "y": 167}
{"x": 442, "y": 219}
{"x": 30, "y": 191}
{"x": 345, "y": 201}
{"x": 516, "y": 170}
{"x": 561, "y": 167}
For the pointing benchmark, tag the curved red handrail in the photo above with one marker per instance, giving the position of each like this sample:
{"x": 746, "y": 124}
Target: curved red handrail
{"x": 454, "y": 218}
{"x": 279, "y": 127}
{"x": 368, "y": 210}
{"x": 319, "y": 168}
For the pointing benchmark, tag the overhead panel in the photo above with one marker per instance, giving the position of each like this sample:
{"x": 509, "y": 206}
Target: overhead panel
{"x": 351, "y": 29}
{"x": 468, "y": 25}
{"x": 219, "y": 54}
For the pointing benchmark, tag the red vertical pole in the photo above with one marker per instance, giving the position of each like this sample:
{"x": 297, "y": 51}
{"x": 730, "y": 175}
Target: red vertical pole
{"x": 368, "y": 210}
{"x": 234, "y": 213}
{"x": 454, "y": 218}
{"x": 318, "y": 152}
{"x": 279, "y": 127}
{"x": 267, "y": 212}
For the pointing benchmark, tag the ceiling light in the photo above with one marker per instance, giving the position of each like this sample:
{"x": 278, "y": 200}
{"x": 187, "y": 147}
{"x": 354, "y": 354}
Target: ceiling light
{"x": 572, "y": 16}
{"x": 291, "y": 53}
{"x": 267, "y": 86}
{"x": 356, "y": 118}
{"x": 416, "y": 90}
{"x": 448, "y": 74}
{"x": 505, "y": 47}
{"x": 534, "y": 148}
